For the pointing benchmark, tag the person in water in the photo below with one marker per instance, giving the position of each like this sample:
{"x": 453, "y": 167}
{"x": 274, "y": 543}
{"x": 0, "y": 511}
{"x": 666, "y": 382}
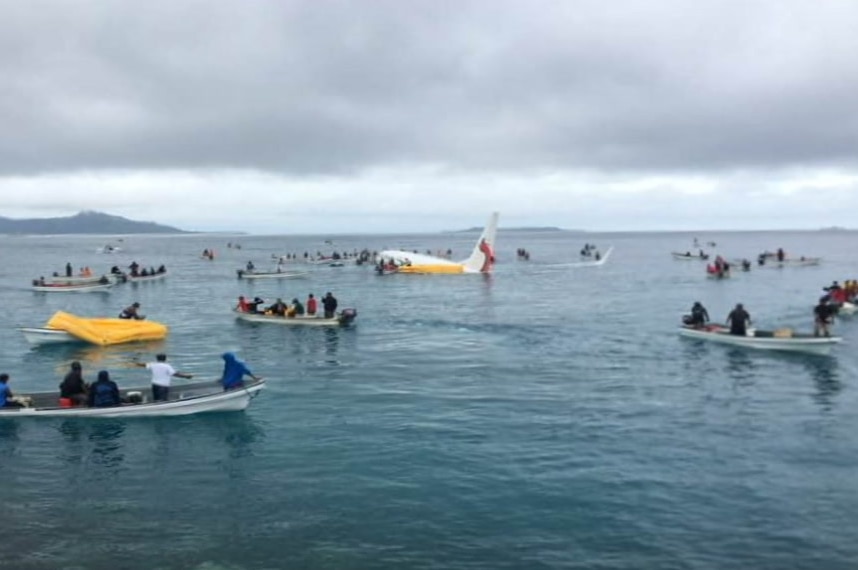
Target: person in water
{"x": 73, "y": 386}
{"x": 131, "y": 312}
{"x": 104, "y": 393}
{"x": 739, "y": 320}
{"x": 162, "y": 377}
{"x": 699, "y": 315}
{"x": 6, "y": 396}
{"x": 234, "y": 371}
{"x": 823, "y": 316}
{"x": 312, "y": 306}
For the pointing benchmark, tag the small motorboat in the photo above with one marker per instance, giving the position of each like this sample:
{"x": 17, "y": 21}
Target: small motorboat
{"x": 66, "y": 327}
{"x": 185, "y": 399}
{"x": 148, "y": 277}
{"x": 88, "y": 287}
{"x": 245, "y": 274}
{"x": 342, "y": 319}
{"x": 781, "y": 339}
{"x": 688, "y": 256}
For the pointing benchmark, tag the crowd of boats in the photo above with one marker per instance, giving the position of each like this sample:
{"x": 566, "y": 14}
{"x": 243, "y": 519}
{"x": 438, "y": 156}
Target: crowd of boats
{"x": 836, "y": 301}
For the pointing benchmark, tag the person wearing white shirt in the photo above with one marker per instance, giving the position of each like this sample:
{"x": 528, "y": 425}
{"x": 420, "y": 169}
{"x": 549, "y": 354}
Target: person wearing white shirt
{"x": 162, "y": 377}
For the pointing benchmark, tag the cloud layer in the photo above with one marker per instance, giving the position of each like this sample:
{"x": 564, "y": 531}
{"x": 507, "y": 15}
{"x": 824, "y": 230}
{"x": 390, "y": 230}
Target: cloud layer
{"x": 375, "y": 108}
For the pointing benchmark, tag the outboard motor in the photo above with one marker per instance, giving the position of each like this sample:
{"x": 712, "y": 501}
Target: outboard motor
{"x": 347, "y": 316}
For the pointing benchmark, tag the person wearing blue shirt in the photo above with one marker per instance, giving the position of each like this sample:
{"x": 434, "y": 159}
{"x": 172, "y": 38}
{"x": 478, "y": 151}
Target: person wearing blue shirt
{"x": 234, "y": 371}
{"x": 6, "y": 393}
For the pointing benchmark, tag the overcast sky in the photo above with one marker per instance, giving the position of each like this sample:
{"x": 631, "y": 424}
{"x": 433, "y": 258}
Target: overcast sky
{"x": 394, "y": 115}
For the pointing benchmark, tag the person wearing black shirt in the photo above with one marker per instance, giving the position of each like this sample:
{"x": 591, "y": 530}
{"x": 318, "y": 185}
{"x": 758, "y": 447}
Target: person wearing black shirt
{"x": 739, "y": 319}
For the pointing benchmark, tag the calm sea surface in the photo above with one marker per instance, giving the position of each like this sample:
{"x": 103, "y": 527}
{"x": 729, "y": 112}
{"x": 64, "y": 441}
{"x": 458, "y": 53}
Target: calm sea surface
{"x": 547, "y": 416}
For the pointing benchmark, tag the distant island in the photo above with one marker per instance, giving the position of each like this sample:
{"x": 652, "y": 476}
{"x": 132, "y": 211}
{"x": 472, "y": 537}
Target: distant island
{"x": 86, "y": 222}
{"x": 519, "y": 229}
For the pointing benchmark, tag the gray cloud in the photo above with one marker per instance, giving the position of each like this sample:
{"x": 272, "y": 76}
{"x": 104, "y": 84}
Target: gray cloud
{"x": 336, "y": 88}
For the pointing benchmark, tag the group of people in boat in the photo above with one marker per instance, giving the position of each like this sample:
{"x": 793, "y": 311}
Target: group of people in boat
{"x": 294, "y": 309}
{"x": 738, "y": 320}
{"x": 590, "y": 250}
{"x": 74, "y": 391}
{"x": 719, "y": 269}
{"x": 390, "y": 265}
{"x": 136, "y": 271}
{"x": 701, "y": 254}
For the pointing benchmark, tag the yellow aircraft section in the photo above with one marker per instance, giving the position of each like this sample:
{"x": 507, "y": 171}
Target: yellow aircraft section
{"x": 105, "y": 332}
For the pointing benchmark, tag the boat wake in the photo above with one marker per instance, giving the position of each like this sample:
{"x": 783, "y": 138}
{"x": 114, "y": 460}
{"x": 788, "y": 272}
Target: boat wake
{"x": 594, "y": 263}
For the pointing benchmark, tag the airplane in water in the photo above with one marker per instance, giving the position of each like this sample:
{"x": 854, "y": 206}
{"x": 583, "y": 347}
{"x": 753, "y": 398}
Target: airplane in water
{"x": 482, "y": 258}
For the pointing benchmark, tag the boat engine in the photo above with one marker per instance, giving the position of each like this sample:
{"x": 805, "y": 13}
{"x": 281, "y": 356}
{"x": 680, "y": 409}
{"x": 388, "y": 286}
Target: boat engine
{"x": 347, "y": 316}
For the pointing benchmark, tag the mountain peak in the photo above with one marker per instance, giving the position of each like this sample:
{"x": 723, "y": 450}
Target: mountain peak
{"x": 84, "y": 222}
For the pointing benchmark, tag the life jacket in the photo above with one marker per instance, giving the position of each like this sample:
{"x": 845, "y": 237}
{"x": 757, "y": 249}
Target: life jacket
{"x": 104, "y": 396}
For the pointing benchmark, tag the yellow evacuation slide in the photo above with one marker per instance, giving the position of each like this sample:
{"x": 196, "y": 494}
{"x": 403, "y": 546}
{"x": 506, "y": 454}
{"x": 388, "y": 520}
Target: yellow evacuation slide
{"x": 105, "y": 332}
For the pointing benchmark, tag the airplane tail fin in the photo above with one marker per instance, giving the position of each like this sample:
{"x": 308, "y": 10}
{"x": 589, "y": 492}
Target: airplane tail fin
{"x": 483, "y": 256}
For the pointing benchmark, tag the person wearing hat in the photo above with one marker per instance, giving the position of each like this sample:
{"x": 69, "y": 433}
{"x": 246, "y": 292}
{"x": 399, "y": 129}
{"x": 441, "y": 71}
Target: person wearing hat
{"x": 130, "y": 312}
{"x": 73, "y": 386}
{"x": 739, "y": 320}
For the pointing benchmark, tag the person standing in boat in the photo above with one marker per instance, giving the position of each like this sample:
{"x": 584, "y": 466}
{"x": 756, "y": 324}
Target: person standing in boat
{"x": 234, "y": 371}
{"x": 104, "y": 393}
{"x": 130, "y": 312}
{"x": 739, "y": 320}
{"x": 73, "y": 386}
{"x": 162, "y": 376}
{"x": 329, "y": 302}
{"x": 781, "y": 254}
{"x": 823, "y": 316}
{"x": 311, "y": 305}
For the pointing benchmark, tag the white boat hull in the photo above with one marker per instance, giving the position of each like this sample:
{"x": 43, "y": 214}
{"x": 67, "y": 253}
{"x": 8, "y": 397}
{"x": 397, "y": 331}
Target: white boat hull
{"x": 38, "y": 336}
{"x": 692, "y": 257}
{"x": 185, "y": 400}
{"x": 297, "y": 321}
{"x": 82, "y": 288}
{"x": 272, "y": 275}
{"x": 803, "y": 343}
{"x": 139, "y": 278}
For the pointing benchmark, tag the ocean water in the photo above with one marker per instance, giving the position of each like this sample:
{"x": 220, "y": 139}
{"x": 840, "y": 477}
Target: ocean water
{"x": 546, "y": 416}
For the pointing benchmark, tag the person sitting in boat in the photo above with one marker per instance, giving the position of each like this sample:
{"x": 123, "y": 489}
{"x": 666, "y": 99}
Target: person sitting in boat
{"x": 144, "y": 272}
{"x": 73, "y": 386}
{"x": 104, "y": 393}
{"x": 311, "y": 305}
{"x": 6, "y": 397}
{"x": 823, "y": 316}
{"x": 739, "y": 320}
{"x": 131, "y": 312}
{"x": 162, "y": 268}
{"x": 250, "y": 267}
{"x": 699, "y": 316}
{"x": 278, "y": 308}
{"x": 243, "y": 305}
{"x": 103, "y": 280}
{"x": 746, "y": 265}
{"x": 234, "y": 371}
{"x": 297, "y": 308}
